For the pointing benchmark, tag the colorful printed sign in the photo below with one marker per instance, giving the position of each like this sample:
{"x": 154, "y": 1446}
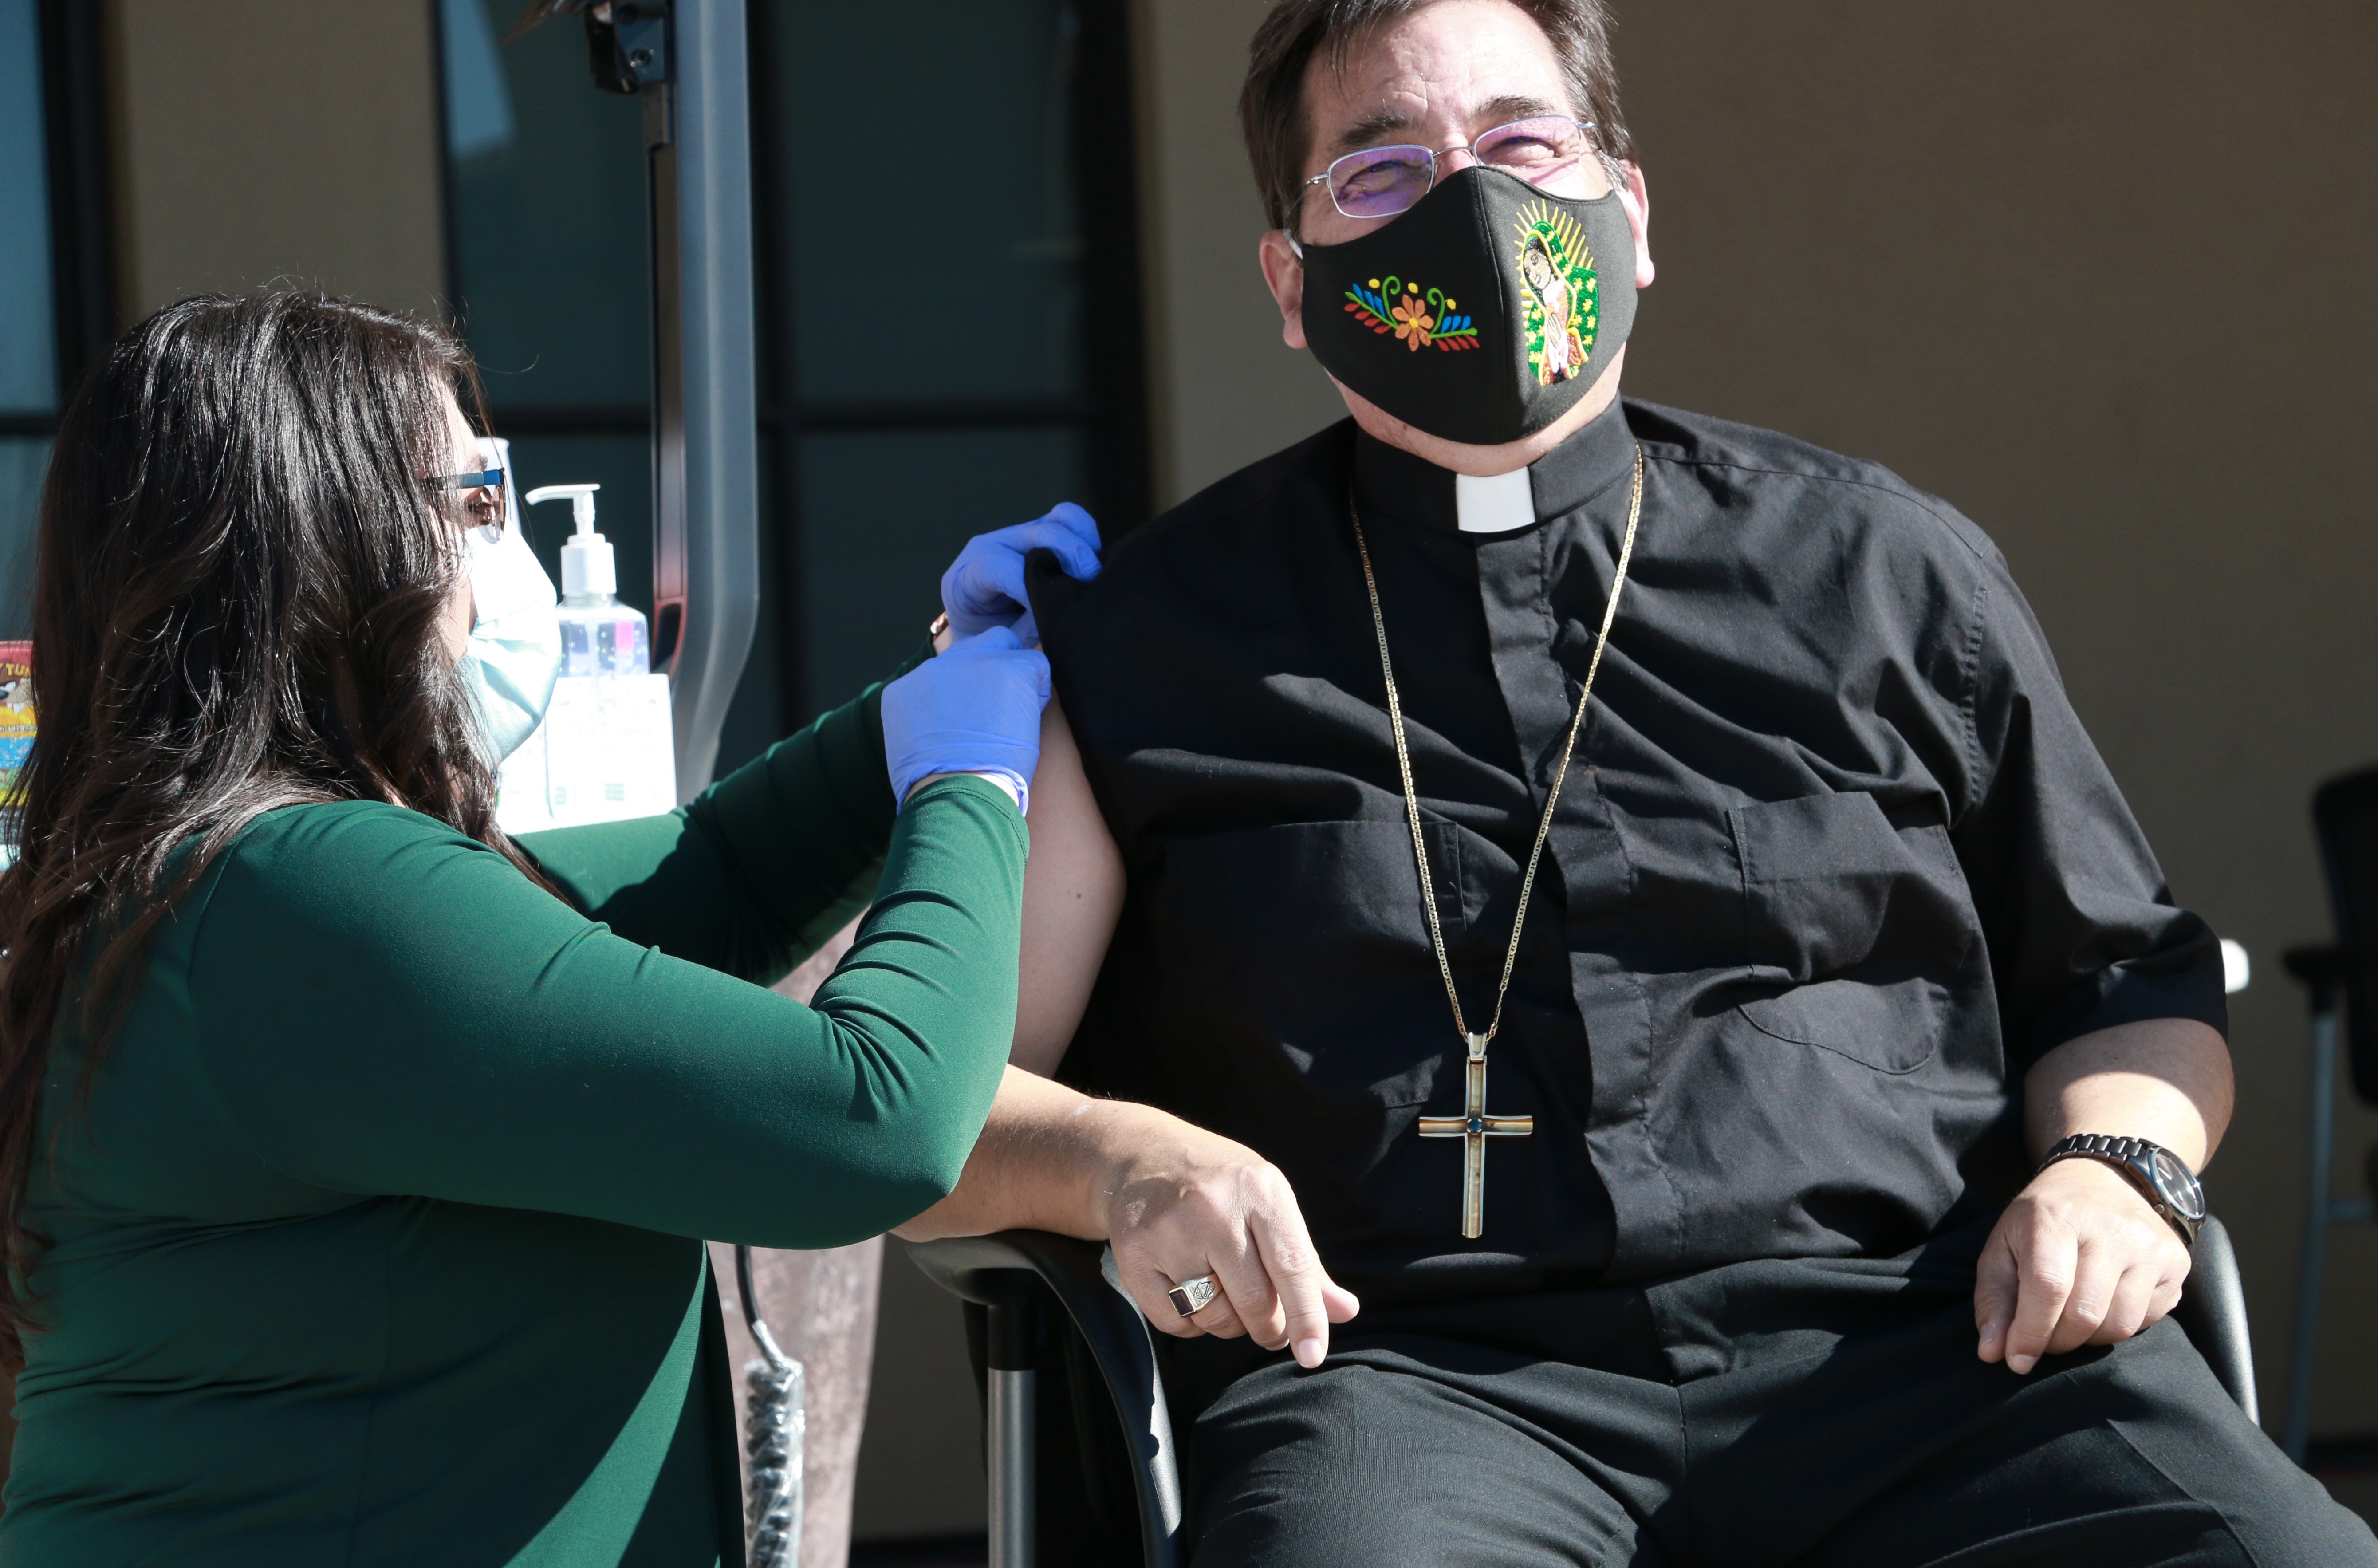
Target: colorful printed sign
{"x": 15, "y": 713}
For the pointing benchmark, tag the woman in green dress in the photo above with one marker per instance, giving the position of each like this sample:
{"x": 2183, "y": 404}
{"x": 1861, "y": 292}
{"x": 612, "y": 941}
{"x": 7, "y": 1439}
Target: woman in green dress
{"x": 355, "y": 1158}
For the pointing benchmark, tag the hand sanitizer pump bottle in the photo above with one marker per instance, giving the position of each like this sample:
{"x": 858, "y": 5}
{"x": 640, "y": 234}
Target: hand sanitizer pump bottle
{"x": 609, "y": 744}
{"x": 599, "y": 635}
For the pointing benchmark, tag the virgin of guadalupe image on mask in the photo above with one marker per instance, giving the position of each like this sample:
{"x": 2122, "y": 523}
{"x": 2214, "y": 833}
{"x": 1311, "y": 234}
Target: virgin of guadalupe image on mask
{"x": 1558, "y": 283}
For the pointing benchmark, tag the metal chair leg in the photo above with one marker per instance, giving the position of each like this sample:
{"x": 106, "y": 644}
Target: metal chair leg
{"x": 1013, "y": 1395}
{"x": 2320, "y": 1148}
{"x": 1021, "y": 1269}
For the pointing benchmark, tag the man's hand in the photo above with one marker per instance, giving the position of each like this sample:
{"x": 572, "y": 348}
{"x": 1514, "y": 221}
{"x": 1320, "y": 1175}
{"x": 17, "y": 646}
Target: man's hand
{"x": 1185, "y": 1202}
{"x": 2078, "y": 1258}
{"x": 1174, "y": 1201}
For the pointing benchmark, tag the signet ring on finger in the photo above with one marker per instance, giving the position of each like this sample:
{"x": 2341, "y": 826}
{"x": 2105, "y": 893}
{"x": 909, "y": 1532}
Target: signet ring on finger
{"x": 1192, "y": 1297}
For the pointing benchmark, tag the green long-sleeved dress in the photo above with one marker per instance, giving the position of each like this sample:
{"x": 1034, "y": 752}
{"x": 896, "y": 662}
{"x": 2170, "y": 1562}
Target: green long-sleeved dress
{"x": 377, "y": 1242}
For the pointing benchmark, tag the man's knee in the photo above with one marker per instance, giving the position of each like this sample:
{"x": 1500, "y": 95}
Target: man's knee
{"x": 1359, "y": 1464}
{"x": 2195, "y": 1437}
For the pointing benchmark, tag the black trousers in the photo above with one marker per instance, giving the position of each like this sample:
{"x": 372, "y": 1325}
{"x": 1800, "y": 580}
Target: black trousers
{"x": 1825, "y": 1414}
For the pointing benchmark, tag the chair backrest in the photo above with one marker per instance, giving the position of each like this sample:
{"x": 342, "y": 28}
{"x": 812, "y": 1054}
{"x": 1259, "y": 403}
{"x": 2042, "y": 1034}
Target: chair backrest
{"x": 2345, "y": 817}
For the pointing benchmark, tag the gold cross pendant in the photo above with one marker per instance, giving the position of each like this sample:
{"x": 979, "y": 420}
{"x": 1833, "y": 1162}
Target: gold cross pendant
{"x": 1474, "y": 1127}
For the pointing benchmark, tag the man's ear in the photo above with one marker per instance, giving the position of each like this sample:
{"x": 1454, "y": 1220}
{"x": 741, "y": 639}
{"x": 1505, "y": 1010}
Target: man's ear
{"x": 1636, "y": 199}
{"x": 1285, "y": 273}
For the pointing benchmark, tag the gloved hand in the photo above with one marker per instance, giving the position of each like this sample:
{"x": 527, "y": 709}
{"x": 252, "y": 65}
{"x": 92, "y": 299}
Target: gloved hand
{"x": 984, "y": 588}
{"x": 974, "y": 709}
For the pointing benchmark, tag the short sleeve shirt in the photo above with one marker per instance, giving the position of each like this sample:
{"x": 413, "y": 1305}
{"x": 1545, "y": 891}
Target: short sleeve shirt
{"x": 1833, "y": 864}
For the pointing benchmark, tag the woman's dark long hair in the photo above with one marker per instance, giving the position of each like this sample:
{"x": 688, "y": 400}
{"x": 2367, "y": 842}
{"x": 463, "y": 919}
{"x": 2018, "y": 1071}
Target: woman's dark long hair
{"x": 239, "y": 604}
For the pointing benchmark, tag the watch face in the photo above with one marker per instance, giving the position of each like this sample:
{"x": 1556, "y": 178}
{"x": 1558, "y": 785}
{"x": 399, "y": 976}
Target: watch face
{"x": 2179, "y": 1186}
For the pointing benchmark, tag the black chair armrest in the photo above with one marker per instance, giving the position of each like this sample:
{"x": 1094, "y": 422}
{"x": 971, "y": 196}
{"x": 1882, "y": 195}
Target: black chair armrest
{"x": 2212, "y": 1309}
{"x": 988, "y": 1269}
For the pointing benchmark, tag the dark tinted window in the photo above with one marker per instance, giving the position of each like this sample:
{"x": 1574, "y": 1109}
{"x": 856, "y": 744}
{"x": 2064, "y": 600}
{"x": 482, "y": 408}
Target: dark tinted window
{"x": 29, "y": 386}
{"x": 546, "y": 245}
{"x": 935, "y": 358}
{"x": 936, "y": 179}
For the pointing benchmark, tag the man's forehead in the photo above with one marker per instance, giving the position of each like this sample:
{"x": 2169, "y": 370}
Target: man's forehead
{"x": 1458, "y": 61}
{"x": 1365, "y": 131}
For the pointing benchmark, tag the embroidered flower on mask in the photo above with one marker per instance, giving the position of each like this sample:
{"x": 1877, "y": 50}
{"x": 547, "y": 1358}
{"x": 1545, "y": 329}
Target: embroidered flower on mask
{"x": 1413, "y": 322}
{"x": 1420, "y": 318}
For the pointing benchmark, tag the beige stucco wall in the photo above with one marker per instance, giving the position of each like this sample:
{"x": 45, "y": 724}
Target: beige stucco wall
{"x": 1223, "y": 389}
{"x": 2096, "y": 274}
{"x": 275, "y": 140}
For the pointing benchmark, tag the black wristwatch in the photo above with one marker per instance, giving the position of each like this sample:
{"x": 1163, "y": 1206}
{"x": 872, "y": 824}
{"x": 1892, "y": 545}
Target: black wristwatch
{"x": 2161, "y": 1177}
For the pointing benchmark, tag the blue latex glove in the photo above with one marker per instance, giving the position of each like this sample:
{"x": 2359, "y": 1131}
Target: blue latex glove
{"x": 972, "y": 708}
{"x": 984, "y": 588}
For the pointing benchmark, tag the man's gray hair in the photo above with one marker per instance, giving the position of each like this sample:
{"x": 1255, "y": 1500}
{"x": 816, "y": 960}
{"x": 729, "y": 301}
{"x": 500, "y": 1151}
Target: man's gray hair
{"x": 1271, "y": 105}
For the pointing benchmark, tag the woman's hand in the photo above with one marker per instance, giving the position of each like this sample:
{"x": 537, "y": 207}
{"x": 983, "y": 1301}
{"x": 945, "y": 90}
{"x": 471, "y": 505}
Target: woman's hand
{"x": 1174, "y": 1201}
{"x": 973, "y": 710}
{"x": 984, "y": 588}
{"x": 1180, "y": 1202}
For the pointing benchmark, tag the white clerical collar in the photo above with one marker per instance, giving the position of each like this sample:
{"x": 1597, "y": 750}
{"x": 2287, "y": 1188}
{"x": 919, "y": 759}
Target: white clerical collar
{"x": 1595, "y": 460}
{"x": 1495, "y": 504}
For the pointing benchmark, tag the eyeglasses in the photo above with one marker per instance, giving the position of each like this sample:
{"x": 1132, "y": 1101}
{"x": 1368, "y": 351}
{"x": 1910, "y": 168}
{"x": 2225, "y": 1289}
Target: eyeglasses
{"x": 1379, "y": 182}
{"x": 481, "y": 503}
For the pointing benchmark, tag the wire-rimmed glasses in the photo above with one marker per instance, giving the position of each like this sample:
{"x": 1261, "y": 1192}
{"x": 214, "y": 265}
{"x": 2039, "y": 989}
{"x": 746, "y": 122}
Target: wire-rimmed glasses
{"x": 1380, "y": 182}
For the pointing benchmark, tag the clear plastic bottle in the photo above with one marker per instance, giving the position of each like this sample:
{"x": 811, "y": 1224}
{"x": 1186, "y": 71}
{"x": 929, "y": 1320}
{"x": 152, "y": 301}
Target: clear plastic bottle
{"x": 599, "y": 635}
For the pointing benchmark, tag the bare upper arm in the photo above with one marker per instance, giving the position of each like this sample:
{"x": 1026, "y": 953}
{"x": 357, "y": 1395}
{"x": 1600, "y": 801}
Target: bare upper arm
{"x": 1073, "y": 895}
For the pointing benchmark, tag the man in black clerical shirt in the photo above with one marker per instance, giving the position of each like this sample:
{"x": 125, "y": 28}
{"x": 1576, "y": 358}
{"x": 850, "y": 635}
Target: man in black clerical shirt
{"x": 1632, "y": 890}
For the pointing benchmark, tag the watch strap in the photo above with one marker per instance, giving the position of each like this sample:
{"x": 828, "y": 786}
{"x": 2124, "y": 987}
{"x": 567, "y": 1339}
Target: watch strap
{"x": 2134, "y": 1157}
{"x": 2104, "y": 1145}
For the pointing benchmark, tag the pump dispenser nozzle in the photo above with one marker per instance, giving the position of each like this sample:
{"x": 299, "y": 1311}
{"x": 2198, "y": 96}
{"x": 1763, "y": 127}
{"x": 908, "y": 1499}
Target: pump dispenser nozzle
{"x": 587, "y": 564}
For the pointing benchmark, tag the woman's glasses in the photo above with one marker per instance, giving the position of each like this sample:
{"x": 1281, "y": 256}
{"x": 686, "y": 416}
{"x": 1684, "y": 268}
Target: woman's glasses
{"x": 1379, "y": 182}
{"x": 481, "y": 503}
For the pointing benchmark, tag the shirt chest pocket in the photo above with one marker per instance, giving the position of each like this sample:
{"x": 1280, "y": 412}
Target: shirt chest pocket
{"x": 1852, "y": 927}
{"x": 1308, "y": 943}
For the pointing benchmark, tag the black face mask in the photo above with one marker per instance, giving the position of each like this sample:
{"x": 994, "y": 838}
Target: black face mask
{"x": 1482, "y": 313}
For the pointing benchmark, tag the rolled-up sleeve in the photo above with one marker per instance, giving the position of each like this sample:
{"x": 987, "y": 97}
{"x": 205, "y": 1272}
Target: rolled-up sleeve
{"x": 2081, "y": 928}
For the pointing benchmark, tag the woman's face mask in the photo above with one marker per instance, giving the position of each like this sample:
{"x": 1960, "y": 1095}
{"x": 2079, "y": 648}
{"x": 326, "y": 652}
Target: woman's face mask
{"x": 515, "y": 651}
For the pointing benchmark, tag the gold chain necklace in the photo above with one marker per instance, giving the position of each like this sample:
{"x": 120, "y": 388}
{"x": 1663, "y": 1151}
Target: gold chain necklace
{"x": 1474, "y": 1127}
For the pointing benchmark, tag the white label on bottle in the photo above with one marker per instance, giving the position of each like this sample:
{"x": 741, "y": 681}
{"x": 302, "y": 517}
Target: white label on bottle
{"x": 521, "y": 804}
{"x": 609, "y": 750}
